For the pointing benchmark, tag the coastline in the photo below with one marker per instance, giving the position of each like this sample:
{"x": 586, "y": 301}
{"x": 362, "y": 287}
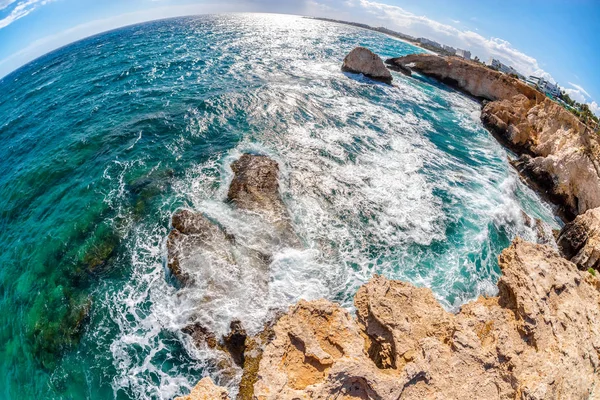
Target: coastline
{"x": 403, "y": 345}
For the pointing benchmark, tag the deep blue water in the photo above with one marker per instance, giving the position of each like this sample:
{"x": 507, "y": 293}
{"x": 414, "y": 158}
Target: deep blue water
{"x": 103, "y": 139}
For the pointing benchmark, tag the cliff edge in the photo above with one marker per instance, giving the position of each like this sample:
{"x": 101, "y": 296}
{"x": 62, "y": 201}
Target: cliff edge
{"x": 539, "y": 339}
{"x": 559, "y": 154}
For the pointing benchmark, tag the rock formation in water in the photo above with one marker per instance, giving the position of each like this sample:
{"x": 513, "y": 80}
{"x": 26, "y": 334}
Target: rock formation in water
{"x": 193, "y": 233}
{"x": 206, "y": 390}
{"x": 363, "y": 61}
{"x": 559, "y": 153}
{"x": 255, "y": 187}
{"x": 539, "y": 339}
{"x": 195, "y": 239}
{"x": 467, "y": 76}
{"x": 579, "y": 240}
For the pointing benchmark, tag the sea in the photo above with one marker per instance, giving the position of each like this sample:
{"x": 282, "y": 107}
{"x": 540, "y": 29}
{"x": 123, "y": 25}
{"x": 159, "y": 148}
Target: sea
{"x": 103, "y": 140}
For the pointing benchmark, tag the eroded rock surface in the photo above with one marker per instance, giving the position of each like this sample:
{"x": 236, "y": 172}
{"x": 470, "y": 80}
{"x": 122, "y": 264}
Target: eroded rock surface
{"x": 194, "y": 235}
{"x": 579, "y": 240}
{"x": 467, "y": 76}
{"x": 363, "y": 61}
{"x": 206, "y": 390}
{"x": 562, "y": 155}
{"x": 255, "y": 187}
{"x": 539, "y": 339}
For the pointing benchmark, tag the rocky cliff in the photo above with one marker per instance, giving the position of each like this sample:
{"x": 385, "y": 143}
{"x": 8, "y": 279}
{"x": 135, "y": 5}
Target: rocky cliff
{"x": 539, "y": 339}
{"x": 560, "y": 154}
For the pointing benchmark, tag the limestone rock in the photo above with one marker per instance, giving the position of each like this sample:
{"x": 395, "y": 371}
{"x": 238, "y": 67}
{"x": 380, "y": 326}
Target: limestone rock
{"x": 206, "y": 390}
{"x": 579, "y": 240}
{"x": 467, "y": 76}
{"x": 363, "y": 61}
{"x": 540, "y": 339}
{"x": 565, "y": 154}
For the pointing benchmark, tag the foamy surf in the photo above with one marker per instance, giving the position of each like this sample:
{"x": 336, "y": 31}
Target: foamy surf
{"x": 401, "y": 181}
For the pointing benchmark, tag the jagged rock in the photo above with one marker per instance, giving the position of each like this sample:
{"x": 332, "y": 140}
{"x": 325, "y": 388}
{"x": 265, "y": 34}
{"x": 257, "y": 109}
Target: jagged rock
{"x": 538, "y": 340}
{"x": 543, "y": 232}
{"x": 363, "y": 61}
{"x": 235, "y": 342}
{"x": 206, "y": 390}
{"x": 565, "y": 154}
{"x": 255, "y": 184}
{"x": 201, "y": 335}
{"x": 193, "y": 233}
{"x": 253, "y": 352}
{"x": 255, "y": 187}
{"x": 398, "y": 67}
{"x": 579, "y": 240}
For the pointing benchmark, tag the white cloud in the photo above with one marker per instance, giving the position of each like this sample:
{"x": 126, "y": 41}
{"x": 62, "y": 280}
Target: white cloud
{"x": 404, "y": 21}
{"x": 580, "y": 89}
{"x": 575, "y": 94}
{"x": 21, "y": 10}
{"x": 595, "y": 108}
{"x": 5, "y": 3}
{"x": 580, "y": 95}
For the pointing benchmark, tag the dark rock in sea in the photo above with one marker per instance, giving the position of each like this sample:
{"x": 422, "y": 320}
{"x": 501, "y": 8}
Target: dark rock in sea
{"x": 235, "y": 342}
{"x": 201, "y": 335}
{"x": 192, "y": 232}
{"x": 363, "y": 61}
{"x": 255, "y": 187}
{"x": 398, "y": 66}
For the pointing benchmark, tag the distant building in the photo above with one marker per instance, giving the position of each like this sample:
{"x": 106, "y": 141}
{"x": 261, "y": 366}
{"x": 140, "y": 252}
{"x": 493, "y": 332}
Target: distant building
{"x": 499, "y": 66}
{"x": 429, "y": 42}
{"x": 463, "y": 54}
{"x": 544, "y": 85}
{"x": 449, "y": 49}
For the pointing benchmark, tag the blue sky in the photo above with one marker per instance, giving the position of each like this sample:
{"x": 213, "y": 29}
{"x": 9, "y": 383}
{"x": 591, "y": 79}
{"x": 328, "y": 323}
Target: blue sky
{"x": 554, "y": 38}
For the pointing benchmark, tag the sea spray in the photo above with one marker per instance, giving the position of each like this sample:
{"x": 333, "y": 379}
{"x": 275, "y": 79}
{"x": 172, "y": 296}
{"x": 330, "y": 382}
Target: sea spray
{"x": 106, "y": 138}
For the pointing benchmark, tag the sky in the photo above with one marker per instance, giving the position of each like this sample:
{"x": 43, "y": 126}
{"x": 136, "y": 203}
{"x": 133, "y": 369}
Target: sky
{"x": 557, "y": 39}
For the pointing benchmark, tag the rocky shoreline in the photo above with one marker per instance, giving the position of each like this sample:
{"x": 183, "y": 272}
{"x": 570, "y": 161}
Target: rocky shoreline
{"x": 538, "y": 339}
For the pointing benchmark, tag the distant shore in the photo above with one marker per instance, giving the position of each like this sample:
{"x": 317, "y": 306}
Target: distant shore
{"x": 396, "y": 35}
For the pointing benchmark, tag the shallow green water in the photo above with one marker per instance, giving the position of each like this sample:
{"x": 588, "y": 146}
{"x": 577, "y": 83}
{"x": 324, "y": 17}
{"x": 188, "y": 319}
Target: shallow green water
{"x": 104, "y": 139}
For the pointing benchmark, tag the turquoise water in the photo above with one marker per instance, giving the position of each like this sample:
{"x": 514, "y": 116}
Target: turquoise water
{"x": 102, "y": 140}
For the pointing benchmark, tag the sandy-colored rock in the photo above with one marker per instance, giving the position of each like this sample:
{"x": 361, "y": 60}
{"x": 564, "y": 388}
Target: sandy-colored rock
{"x": 579, "y": 240}
{"x": 467, "y": 76}
{"x": 363, "y": 61}
{"x": 539, "y": 339}
{"x": 565, "y": 154}
{"x": 206, "y": 390}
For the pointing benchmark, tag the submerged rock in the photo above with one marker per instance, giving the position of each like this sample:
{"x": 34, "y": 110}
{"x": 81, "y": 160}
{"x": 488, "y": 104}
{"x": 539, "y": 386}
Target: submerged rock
{"x": 235, "y": 342}
{"x": 363, "y": 61}
{"x": 193, "y": 233}
{"x": 206, "y": 390}
{"x": 579, "y": 240}
{"x": 537, "y": 340}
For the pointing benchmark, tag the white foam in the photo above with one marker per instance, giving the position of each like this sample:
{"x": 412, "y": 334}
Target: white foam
{"x": 366, "y": 187}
